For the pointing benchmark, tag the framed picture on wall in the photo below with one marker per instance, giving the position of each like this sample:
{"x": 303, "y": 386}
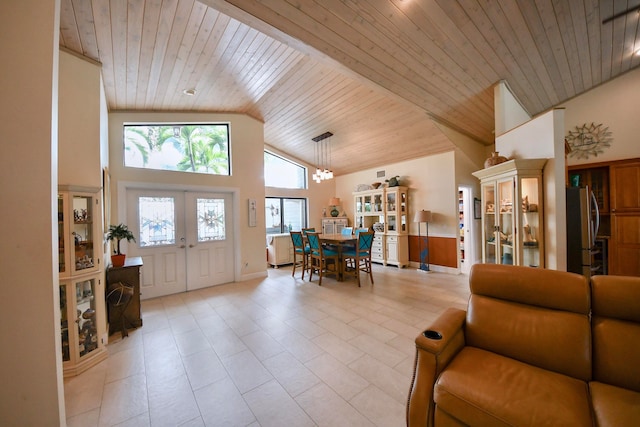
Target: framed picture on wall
{"x": 477, "y": 212}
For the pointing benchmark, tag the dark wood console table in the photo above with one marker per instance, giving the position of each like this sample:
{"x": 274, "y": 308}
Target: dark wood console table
{"x": 128, "y": 275}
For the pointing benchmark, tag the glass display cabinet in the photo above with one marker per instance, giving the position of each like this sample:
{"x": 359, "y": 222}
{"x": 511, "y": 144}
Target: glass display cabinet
{"x": 385, "y": 211}
{"x": 82, "y": 306}
{"x": 82, "y": 323}
{"x": 368, "y": 208}
{"x": 79, "y": 222}
{"x": 512, "y": 213}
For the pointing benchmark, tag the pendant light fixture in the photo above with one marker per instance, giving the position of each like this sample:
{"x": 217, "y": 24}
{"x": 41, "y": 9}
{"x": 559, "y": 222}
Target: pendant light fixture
{"x": 322, "y": 151}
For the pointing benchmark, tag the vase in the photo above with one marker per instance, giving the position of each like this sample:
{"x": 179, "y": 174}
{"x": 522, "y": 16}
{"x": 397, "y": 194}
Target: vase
{"x": 118, "y": 260}
{"x": 495, "y": 159}
{"x": 334, "y": 212}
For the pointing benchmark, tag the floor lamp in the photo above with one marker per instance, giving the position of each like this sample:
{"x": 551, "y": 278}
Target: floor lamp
{"x": 420, "y": 217}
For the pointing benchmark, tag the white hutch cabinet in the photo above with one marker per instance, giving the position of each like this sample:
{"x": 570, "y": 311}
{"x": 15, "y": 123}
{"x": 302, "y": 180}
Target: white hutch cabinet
{"x": 512, "y": 213}
{"x": 386, "y": 211}
{"x": 82, "y": 304}
{"x": 334, "y": 225}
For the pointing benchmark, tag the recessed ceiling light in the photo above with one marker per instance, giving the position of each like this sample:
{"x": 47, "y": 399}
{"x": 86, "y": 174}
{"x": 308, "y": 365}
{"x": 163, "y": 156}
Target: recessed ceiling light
{"x": 189, "y": 92}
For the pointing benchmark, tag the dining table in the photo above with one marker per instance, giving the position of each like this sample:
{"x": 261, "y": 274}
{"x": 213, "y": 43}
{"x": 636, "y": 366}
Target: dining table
{"x": 340, "y": 241}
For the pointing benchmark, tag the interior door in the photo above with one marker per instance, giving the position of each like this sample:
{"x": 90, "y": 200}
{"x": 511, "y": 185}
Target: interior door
{"x": 209, "y": 239}
{"x": 157, "y": 219}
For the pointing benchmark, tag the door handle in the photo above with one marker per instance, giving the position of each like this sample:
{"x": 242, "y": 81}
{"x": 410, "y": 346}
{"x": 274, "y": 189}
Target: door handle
{"x": 192, "y": 246}
{"x": 182, "y": 246}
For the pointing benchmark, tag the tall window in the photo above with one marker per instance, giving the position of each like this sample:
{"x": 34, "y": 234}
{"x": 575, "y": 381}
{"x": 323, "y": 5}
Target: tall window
{"x": 282, "y": 173}
{"x": 284, "y": 214}
{"x": 199, "y": 148}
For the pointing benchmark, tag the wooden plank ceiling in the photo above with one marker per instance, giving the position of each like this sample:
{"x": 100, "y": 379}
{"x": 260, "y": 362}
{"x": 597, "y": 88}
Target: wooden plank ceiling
{"x": 378, "y": 74}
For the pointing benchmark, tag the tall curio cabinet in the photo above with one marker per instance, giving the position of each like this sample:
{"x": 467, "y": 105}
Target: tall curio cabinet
{"x": 385, "y": 210}
{"x": 512, "y": 213}
{"x": 82, "y": 306}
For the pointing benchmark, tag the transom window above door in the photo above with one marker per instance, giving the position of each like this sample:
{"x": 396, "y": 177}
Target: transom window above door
{"x": 184, "y": 147}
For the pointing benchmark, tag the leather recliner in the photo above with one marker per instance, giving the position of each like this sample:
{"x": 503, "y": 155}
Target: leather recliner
{"x": 527, "y": 352}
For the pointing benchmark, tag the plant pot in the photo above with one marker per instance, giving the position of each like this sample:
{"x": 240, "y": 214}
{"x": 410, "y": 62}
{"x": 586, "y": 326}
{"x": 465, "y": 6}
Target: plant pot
{"x": 118, "y": 260}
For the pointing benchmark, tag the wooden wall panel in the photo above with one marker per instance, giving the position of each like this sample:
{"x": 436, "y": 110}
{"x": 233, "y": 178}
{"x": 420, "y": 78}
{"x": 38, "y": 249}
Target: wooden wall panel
{"x": 442, "y": 250}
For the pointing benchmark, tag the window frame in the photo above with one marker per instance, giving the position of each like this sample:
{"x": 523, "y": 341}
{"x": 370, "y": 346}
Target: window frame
{"x": 174, "y": 124}
{"x": 305, "y": 219}
{"x": 304, "y": 169}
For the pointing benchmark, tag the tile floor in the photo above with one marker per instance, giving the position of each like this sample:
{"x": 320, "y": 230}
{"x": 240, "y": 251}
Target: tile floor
{"x": 277, "y": 351}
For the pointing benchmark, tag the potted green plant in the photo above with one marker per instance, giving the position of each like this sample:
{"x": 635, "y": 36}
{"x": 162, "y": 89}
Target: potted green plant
{"x": 118, "y": 233}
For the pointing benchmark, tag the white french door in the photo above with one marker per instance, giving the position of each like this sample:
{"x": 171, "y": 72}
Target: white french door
{"x": 184, "y": 238}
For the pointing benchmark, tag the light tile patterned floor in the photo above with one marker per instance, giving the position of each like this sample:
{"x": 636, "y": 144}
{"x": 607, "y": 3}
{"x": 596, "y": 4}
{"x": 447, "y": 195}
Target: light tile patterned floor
{"x": 273, "y": 352}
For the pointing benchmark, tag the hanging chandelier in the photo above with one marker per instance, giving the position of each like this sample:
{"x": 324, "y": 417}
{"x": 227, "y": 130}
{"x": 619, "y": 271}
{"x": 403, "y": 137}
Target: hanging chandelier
{"x": 322, "y": 155}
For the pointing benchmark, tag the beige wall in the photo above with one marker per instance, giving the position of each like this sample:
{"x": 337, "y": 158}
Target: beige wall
{"x": 31, "y": 391}
{"x": 614, "y": 104}
{"x": 432, "y": 186}
{"x": 246, "y": 181}
{"x": 79, "y": 106}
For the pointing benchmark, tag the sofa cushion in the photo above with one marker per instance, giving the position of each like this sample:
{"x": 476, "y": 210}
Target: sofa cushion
{"x": 614, "y": 406}
{"x": 616, "y": 352}
{"x": 557, "y": 290}
{"x": 484, "y": 388}
{"x": 616, "y": 331}
{"x": 550, "y": 339}
{"x": 617, "y": 297}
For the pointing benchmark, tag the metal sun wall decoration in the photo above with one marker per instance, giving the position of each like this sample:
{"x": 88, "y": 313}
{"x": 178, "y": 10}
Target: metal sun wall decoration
{"x": 588, "y": 140}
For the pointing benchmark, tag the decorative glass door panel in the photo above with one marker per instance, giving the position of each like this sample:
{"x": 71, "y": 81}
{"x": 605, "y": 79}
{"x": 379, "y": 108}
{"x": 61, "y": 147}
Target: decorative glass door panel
{"x": 367, "y": 204}
{"x": 402, "y": 211}
{"x": 531, "y": 232}
{"x": 86, "y": 316}
{"x": 506, "y": 226}
{"x": 83, "y": 232}
{"x": 391, "y": 202}
{"x": 359, "y": 205}
{"x": 211, "y": 219}
{"x": 392, "y": 223}
{"x": 157, "y": 222}
{"x": 64, "y": 322}
{"x": 62, "y": 244}
{"x": 377, "y": 203}
{"x": 489, "y": 223}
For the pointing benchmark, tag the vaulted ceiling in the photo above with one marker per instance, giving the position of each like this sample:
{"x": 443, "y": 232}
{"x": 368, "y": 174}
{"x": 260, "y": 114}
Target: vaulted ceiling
{"x": 378, "y": 74}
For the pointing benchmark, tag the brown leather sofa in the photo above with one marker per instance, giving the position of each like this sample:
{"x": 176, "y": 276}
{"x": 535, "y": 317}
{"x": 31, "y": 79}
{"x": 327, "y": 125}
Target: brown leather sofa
{"x": 535, "y": 347}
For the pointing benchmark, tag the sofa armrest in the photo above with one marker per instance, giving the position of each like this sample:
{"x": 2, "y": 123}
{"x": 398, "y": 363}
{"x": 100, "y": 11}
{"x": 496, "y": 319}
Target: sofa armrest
{"x": 435, "y": 348}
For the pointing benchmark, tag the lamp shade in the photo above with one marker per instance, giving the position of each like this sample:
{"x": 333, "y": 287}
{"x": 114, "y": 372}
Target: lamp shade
{"x": 422, "y": 216}
{"x": 334, "y": 201}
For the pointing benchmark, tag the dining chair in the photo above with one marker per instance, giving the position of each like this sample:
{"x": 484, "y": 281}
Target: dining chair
{"x": 308, "y": 230}
{"x": 320, "y": 257}
{"x": 300, "y": 249}
{"x": 347, "y": 231}
{"x": 361, "y": 230}
{"x": 359, "y": 259}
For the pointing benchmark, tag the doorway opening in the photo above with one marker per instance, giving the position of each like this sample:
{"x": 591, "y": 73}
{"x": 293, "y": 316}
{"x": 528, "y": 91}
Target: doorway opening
{"x": 465, "y": 219}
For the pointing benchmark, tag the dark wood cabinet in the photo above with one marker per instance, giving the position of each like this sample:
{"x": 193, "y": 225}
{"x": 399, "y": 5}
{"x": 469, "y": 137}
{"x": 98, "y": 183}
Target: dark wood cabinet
{"x": 625, "y": 186}
{"x": 616, "y": 186}
{"x": 128, "y": 275}
{"x": 625, "y": 216}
